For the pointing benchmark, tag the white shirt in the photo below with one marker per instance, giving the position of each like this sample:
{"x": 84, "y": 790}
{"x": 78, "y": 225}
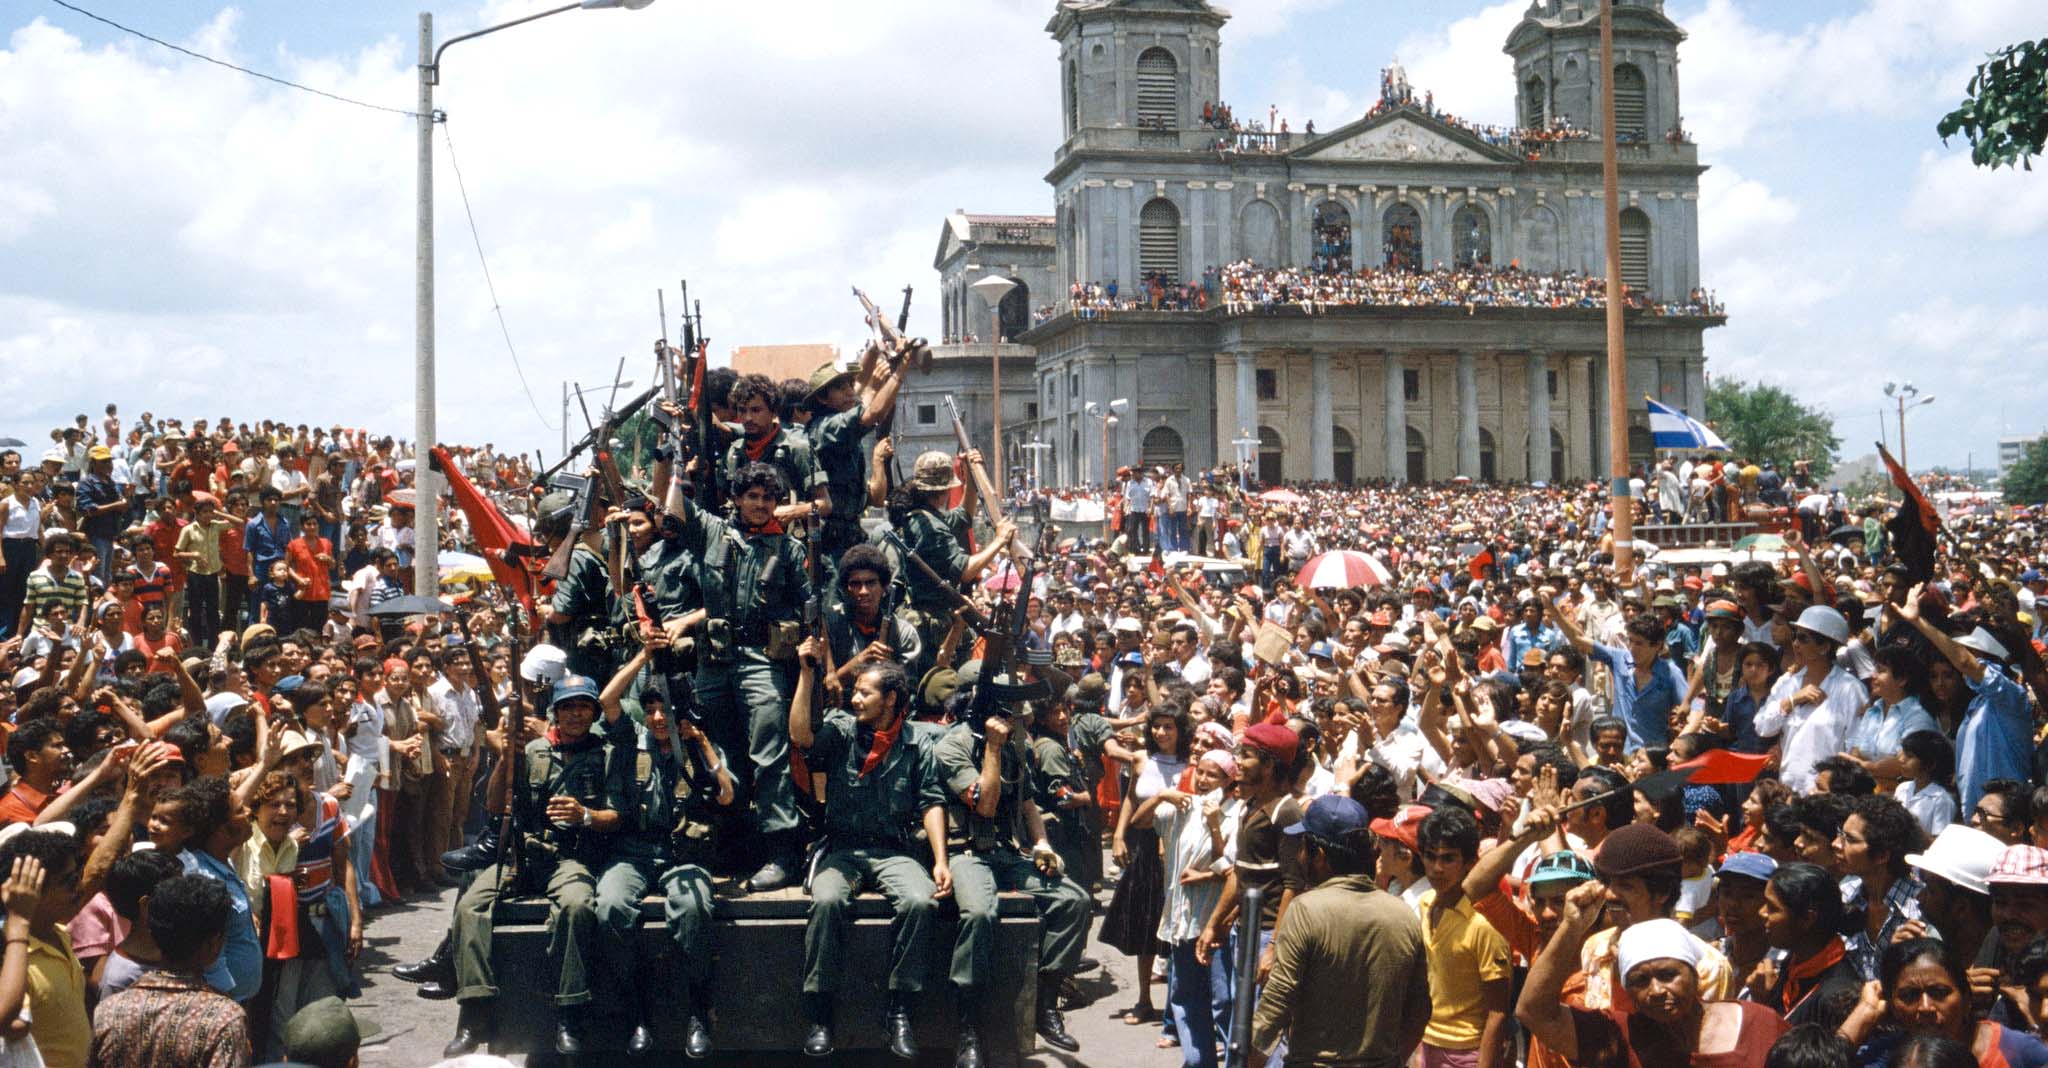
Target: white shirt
{"x": 1809, "y": 733}
{"x": 1195, "y": 672}
{"x": 1934, "y": 807}
{"x": 286, "y": 480}
{"x": 458, "y": 710}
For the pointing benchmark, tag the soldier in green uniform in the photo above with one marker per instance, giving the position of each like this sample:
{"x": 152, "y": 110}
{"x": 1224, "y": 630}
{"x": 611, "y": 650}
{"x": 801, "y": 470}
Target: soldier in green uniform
{"x": 675, "y": 779}
{"x": 862, "y": 626}
{"x": 581, "y": 616}
{"x": 1090, "y": 735}
{"x": 752, "y": 578}
{"x": 764, "y": 440}
{"x": 987, "y": 767}
{"x": 842, "y": 414}
{"x": 881, "y": 789}
{"x": 1058, "y": 789}
{"x": 566, "y": 803}
{"x": 939, "y": 536}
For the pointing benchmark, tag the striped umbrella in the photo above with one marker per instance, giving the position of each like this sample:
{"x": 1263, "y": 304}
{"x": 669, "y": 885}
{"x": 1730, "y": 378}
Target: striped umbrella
{"x": 1343, "y": 569}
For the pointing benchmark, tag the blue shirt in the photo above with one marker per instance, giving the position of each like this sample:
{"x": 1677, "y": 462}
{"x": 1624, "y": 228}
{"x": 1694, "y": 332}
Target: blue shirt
{"x": 1739, "y": 713}
{"x": 1996, "y": 739}
{"x": 1522, "y": 638}
{"x": 1877, "y": 733}
{"x": 238, "y": 971}
{"x": 1647, "y": 710}
{"x": 264, "y": 544}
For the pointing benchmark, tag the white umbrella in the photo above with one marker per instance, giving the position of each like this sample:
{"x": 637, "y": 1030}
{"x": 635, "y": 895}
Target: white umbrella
{"x": 1343, "y": 569}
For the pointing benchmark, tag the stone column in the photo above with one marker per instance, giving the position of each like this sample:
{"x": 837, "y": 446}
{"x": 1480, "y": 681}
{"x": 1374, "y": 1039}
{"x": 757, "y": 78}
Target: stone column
{"x": 1539, "y": 416}
{"x": 1602, "y": 470}
{"x": 1468, "y": 415}
{"x": 1247, "y": 398}
{"x": 1397, "y": 418}
{"x": 1321, "y": 441}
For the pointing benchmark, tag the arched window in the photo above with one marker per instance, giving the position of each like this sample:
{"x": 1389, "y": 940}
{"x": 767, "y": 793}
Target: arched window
{"x": 1418, "y": 456}
{"x": 1471, "y": 237}
{"x": 1158, "y": 89}
{"x": 1635, "y": 250}
{"x": 1159, "y": 241}
{"x": 1403, "y": 240}
{"x": 1489, "y": 459}
{"x": 1330, "y": 240}
{"x": 1532, "y": 104}
{"x": 1073, "y": 96}
{"x": 1343, "y": 466}
{"x": 1270, "y": 448}
{"x": 1162, "y": 447}
{"x": 1556, "y": 458}
{"x": 1631, "y": 104}
{"x": 1015, "y": 310}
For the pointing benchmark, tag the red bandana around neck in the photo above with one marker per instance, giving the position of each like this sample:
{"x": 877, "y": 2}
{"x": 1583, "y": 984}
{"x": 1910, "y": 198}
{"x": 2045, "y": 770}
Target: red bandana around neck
{"x": 878, "y": 750}
{"x": 758, "y": 447}
{"x": 772, "y": 526}
{"x": 1800, "y": 981}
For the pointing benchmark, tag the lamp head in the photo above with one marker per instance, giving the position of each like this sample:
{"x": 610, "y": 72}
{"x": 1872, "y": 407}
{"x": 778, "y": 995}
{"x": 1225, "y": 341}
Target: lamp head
{"x": 992, "y": 289}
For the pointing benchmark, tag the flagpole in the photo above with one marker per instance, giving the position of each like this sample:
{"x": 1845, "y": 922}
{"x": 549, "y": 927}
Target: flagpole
{"x": 1619, "y": 493}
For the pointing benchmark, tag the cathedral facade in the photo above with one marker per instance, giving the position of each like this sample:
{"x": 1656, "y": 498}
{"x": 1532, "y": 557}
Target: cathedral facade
{"x": 1153, "y": 183}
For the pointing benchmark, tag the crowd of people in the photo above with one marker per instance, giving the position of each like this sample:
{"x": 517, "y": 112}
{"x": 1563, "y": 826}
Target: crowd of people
{"x": 1745, "y": 813}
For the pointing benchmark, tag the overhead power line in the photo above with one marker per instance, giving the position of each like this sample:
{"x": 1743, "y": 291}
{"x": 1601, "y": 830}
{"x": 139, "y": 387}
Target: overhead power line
{"x": 224, "y": 63}
{"x": 490, "y": 286}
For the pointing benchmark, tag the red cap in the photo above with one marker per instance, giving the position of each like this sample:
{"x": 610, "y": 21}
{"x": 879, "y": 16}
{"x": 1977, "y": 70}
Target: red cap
{"x": 1274, "y": 739}
{"x": 1404, "y": 827}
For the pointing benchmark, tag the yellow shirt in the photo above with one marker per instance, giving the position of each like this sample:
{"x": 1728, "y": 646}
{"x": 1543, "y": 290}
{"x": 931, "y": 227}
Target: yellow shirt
{"x": 257, "y": 860}
{"x": 1464, "y": 951}
{"x": 56, "y": 1002}
{"x": 202, "y": 539}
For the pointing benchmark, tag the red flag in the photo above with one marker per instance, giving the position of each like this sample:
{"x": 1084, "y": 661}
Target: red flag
{"x": 493, "y": 532}
{"x": 1914, "y": 529}
{"x": 1724, "y": 767}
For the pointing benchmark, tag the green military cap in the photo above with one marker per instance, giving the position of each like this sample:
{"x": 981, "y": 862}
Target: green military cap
{"x": 827, "y": 375}
{"x": 325, "y": 1032}
{"x": 1091, "y": 691}
{"x": 938, "y": 684}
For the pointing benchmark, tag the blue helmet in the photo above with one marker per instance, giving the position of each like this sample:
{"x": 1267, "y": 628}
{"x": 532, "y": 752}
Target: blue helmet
{"x": 571, "y": 687}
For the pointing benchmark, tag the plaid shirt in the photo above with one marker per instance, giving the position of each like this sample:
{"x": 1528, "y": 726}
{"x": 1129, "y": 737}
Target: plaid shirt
{"x": 165, "y": 1019}
{"x": 1902, "y": 903}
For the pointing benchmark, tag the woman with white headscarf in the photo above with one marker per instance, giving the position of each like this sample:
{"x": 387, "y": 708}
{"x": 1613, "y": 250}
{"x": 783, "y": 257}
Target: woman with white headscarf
{"x": 1661, "y": 1020}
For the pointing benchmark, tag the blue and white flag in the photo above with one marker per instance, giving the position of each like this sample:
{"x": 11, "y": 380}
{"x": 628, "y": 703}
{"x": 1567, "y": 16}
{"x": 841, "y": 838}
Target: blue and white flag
{"x": 1673, "y": 429}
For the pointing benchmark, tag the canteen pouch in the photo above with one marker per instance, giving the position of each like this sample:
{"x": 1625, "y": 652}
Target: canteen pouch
{"x": 783, "y": 638}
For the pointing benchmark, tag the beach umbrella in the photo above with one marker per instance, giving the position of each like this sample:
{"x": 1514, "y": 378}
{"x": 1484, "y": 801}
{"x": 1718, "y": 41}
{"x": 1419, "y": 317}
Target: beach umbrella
{"x": 1343, "y": 569}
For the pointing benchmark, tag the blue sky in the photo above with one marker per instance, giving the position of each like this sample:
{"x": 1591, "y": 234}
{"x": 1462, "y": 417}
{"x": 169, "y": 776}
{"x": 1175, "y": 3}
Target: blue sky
{"x": 179, "y": 236}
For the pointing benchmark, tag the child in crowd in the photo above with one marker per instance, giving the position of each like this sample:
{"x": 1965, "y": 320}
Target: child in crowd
{"x": 274, "y": 596}
{"x": 1696, "y": 891}
{"x": 1929, "y": 760}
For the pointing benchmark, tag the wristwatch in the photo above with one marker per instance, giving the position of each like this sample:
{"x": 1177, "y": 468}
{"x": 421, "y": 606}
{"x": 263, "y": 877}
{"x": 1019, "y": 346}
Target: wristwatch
{"x": 588, "y": 819}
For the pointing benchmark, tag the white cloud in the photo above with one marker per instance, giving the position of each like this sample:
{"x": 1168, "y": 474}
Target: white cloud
{"x": 1737, "y": 211}
{"x": 1253, "y": 19}
{"x": 1463, "y": 64}
{"x": 1953, "y": 196}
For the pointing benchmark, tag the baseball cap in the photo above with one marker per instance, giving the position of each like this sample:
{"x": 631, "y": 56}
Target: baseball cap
{"x": 1962, "y": 855}
{"x": 325, "y": 1032}
{"x": 1756, "y": 866}
{"x": 572, "y": 687}
{"x": 2020, "y": 865}
{"x": 1562, "y": 866}
{"x": 1330, "y": 817}
{"x": 99, "y": 452}
{"x": 1724, "y": 610}
{"x": 1404, "y": 827}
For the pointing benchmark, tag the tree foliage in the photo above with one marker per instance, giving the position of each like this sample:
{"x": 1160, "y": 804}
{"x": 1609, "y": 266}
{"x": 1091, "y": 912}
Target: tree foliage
{"x": 1762, "y": 422}
{"x": 2005, "y": 115}
{"x": 2026, "y": 482}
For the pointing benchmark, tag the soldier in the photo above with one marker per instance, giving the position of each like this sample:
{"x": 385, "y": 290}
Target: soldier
{"x": 566, "y": 803}
{"x": 986, "y": 768}
{"x": 765, "y": 440}
{"x": 842, "y": 414}
{"x": 863, "y": 627}
{"x": 939, "y": 536}
{"x": 1058, "y": 789}
{"x": 580, "y": 617}
{"x": 754, "y": 587}
{"x": 675, "y": 779}
{"x": 881, "y": 786}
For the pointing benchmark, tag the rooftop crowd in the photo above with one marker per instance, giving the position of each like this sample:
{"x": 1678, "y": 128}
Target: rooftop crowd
{"x": 1444, "y": 770}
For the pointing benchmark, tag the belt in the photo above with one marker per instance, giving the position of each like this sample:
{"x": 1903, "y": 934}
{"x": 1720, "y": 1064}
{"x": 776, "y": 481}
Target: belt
{"x": 453, "y": 750}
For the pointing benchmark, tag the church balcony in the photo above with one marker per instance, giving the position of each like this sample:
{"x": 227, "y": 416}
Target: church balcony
{"x": 1587, "y": 151}
{"x": 1198, "y": 140}
{"x": 955, "y": 349}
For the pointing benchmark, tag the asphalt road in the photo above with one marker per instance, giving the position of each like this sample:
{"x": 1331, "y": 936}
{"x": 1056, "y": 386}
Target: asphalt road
{"x": 414, "y": 1029}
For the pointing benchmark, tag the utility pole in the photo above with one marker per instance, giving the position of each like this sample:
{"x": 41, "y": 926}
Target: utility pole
{"x": 426, "y": 547}
{"x": 1619, "y": 494}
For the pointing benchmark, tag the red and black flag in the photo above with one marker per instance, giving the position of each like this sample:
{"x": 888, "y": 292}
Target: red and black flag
{"x": 1914, "y": 529}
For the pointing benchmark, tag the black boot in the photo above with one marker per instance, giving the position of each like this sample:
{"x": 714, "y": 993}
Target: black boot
{"x": 569, "y": 1030}
{"x": 967, "y": 1048}
{"x": 472, "y": 1029}
{"x": 476, "y": 856}
{"x": 642, "y": 1041}
{"x": 1052, "y": 1027}
{"x": 818, "y": 1039}
{"x": 781, "y": 869}
{"x": 696, "y": 1032}
{"x": 896, "y": 1025}
{"x": 438, "y": 965}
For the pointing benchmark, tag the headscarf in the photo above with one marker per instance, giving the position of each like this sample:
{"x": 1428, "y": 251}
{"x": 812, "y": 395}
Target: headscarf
{"x": 1655, "y": 940}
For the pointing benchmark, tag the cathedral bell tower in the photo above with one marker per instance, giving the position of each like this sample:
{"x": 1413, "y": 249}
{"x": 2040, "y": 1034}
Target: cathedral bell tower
{"x": 1136, "y": 64}
{"x": 1557, "y": 58}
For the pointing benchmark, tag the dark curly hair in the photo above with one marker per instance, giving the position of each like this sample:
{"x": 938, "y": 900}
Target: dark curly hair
{"x": 765, "y": 476}
{"x": 865, "y": 557}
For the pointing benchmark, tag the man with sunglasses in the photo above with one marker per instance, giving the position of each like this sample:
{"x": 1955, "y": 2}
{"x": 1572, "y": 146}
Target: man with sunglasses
{"x": 1815, "y": 702}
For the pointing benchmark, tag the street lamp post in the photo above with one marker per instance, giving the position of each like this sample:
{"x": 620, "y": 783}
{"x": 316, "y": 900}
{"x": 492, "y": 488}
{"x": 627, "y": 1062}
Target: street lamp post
{"x": 1245, "y": 443}
{"x": 1904, "y": 394}
{"x": 992, "y": 289}
{"x": 426, "y": 492}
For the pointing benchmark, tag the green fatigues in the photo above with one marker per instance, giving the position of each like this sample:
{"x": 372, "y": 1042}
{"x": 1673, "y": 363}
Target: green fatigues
{"x": 839, "y": 443}
{"x": 871, "y": 824}
{"x": 939, "y": 539}
{"x": 743, "y": 694}
{"x": 555, "y": 860}
{"x": 584, "y": 595}
{"x": 991, "y": 863}
{"x": 896, "y": 630}
{"x": 652, "y": 849}
{"x": 1086, "y": 735}
{"x": 789, "y": 451}
{"x": 1054, "y": 781}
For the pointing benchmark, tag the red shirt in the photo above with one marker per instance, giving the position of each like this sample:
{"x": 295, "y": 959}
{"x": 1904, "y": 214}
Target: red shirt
{"x": 165, "y": 535}
{"x": 299, "y": 556}
{"x": 149, "y": 649}
{"x": 233, "y": 558}
{"x": 23, "y": 804}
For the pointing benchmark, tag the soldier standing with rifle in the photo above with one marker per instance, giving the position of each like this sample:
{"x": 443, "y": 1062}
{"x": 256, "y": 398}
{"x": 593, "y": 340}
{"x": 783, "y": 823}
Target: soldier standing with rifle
{"x": 676, "y": 780}
{"x": 566, "y": 804}
{"x": 881, "y": 787}
{"x": 581, "y": 613}
{"x": 939, "y": 536}
{"x": 766, "y": 441}
{"x": 986, "y": 764}
{"x": 845, "y": 406}
{"x": 752, "y": 578}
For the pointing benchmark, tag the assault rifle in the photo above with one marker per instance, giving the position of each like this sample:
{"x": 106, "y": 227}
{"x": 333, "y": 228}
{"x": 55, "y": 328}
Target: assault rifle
{"x": 999, "y": 651}
{"x": 983, "y": 488}
{"x": 975, "y": 618}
